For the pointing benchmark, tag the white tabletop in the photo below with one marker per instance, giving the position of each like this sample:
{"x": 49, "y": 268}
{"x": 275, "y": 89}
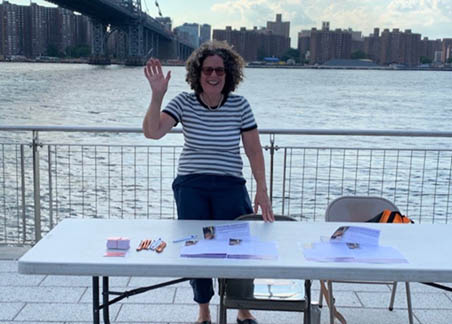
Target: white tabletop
{"x": 77, "y": 247}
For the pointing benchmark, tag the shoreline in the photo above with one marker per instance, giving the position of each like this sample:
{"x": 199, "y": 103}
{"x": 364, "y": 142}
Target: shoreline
{"x": 321, "y": 67}
{"x": 259, "y": 66}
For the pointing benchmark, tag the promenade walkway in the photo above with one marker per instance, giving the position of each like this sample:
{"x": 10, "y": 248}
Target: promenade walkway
{"x": 61, "y": 299}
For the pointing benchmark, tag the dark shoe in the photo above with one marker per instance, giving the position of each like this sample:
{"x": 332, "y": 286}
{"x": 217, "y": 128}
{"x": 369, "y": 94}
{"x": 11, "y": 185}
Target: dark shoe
{"x": 247, "y": 321}
{"x": 204, "y": 322}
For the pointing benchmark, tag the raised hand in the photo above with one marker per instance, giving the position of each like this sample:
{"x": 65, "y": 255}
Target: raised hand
{"x": 154, "y": 74}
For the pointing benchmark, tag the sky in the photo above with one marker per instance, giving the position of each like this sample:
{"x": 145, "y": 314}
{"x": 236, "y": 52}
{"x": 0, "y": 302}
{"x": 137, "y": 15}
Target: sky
{"x": 431, "y": 18}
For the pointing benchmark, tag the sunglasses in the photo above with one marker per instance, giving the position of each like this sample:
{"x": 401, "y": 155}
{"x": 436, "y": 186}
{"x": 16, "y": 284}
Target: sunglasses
{"x": 207, "y": 70}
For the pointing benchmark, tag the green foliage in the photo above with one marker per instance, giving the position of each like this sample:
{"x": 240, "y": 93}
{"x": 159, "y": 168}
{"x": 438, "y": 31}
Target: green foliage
{"x": 426, "y": 60}
{"x": 291, "y": 53}
{"x": 358, "y": 55}
{"x": 52, "y": 50}
{"x": 78, "y": 51}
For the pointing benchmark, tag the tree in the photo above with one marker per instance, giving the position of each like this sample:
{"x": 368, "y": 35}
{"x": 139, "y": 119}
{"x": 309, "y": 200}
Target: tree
{"x": 52, "y": 50}
{"x": 78, "y": 51}
{"x": 426, "y": 60}
{"x": 358, "y": 55}
{"x": 291, "y": 53}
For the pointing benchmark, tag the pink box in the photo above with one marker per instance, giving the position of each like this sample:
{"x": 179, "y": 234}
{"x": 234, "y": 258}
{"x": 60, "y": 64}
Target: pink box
{"x": 120, "y": 243}
{"x": 123, "y": 243}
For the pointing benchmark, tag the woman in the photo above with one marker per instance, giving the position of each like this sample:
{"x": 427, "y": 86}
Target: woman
{"x": 210, "y": 184}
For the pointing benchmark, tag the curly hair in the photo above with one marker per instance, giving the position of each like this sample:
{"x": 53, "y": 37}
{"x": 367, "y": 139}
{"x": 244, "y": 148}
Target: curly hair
{"x": 233, "y": 65}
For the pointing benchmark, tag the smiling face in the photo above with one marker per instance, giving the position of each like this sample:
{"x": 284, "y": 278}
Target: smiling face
{"x": 212, "y": 84}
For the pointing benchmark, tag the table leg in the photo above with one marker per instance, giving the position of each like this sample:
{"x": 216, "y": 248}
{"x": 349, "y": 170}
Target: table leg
{"x": 105, "y": 300}
{"x": 307, "y": 292}
{"x": 96, "y": 318}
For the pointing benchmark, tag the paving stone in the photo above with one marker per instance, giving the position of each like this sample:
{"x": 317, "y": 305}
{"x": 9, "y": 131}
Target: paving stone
{"x": 146, "y": 281}
{"x": 184, "y": 295}
{"x": 158, "y": 296}
{"x": 268, "y": 317}
{"x": 41, "y": 294}
{"x": 12, "y": 252}
{"x": 82, "y": 281}
{"x": 339, "y": 286}
{"x": 42, "y": 312}
{"x": 9, "y": 310}
{"x": 14, "y": 279}
{"x": 8, "y": 266}
{"x": 37, "y": 322}
{"x": 418, "y": 300}
{"x": 160, "y": 313}
{"x": 112, "y": 322}
{"x": 434, "y": 316}
{"x": 369, "y": 316}
{"x": 345, "y": 298}
{"x": 418, "y": 287}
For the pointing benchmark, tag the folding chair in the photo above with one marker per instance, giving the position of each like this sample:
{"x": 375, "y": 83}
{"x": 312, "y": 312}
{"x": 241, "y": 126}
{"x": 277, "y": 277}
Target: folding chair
{"x": 358, "y": 209}
{"x": 268, "y": 294}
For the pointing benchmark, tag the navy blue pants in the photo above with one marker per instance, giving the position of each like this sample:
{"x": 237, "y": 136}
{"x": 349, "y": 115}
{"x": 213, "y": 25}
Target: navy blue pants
{"x": 212, "y": 197}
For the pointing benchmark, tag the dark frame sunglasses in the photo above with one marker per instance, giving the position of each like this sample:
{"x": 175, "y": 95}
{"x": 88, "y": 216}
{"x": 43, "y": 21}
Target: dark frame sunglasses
{"x": 208, "y": 70}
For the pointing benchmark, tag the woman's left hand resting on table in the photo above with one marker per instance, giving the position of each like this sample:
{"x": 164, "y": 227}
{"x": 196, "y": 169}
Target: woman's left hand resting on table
{"x": 253, "y": 150}
{"x": 261, "y": 200}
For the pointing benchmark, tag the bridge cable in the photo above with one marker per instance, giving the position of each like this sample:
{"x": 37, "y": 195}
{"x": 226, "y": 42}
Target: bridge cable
{"x": 146, "y": 5}
{"x": 158, "y": 7}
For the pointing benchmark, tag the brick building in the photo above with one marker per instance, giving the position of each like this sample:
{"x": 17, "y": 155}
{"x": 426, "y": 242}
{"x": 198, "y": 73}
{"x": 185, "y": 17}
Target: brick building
{"x": 372, "y": 46}
{"x": 205, "y": 31}
{"x": 427, "y": 48}
{"x": 304, "y": 43}
{"x": 31, "y": 30}
{"x": 253, "y": 44}
{"x": 326, "y": 45}
{"x": 398, "y": 47}
{"x": 446, "y": 51}
{"x": 279, "y": 27}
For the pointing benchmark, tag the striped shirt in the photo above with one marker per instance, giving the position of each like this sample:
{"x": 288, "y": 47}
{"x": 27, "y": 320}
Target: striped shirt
{"x": 211, "y": 137}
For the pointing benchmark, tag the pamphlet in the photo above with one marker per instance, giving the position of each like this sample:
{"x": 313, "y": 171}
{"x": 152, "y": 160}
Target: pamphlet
{"x": 232, "y": 249}
{"x": 232, "y": 241}
{"x": 355, "y": 235}
{"x": 239, "y": 230}
{"x": 353, "y": 244}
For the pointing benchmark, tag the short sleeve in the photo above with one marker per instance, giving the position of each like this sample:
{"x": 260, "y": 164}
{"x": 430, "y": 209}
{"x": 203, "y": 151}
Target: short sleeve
{"x": 175, "y": 106}
{"x": 248, "y": 121}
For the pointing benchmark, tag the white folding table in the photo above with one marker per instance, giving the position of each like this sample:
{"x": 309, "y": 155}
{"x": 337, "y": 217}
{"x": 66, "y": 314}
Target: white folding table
{"x": 77, "y": 247}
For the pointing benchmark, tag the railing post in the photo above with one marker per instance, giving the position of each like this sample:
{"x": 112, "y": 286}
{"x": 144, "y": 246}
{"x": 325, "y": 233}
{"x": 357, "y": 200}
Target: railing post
{"x": 272, "y": 149}
{"x": 36, "y": 185}
{"x": 49, "y": 158}
{"x": 22, "y": 189}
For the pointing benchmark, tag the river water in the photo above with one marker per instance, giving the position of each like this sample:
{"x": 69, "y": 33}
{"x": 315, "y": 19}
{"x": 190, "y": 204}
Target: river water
{"x": 85, "y": 95}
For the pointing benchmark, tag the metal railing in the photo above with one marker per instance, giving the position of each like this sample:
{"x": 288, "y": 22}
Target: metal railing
{"x": 42, "y": 183}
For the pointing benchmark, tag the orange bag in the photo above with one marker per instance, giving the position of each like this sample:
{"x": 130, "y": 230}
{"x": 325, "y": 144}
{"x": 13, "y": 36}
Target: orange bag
{"x": 389, "y": 216}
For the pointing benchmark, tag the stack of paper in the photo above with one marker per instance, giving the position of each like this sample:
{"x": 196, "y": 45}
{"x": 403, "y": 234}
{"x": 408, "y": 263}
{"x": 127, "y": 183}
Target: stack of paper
{"x": 232, "y": 241}
{"x": 353, "y": 244}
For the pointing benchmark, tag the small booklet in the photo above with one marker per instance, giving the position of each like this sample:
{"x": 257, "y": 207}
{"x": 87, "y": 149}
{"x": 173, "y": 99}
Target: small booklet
{"x": 355, "y": 235}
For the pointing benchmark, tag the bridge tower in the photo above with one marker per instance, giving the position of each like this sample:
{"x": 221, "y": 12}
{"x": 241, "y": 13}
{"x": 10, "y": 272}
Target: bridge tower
{"x": 135, "y": 34}
{"x": 98, "y": 47}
